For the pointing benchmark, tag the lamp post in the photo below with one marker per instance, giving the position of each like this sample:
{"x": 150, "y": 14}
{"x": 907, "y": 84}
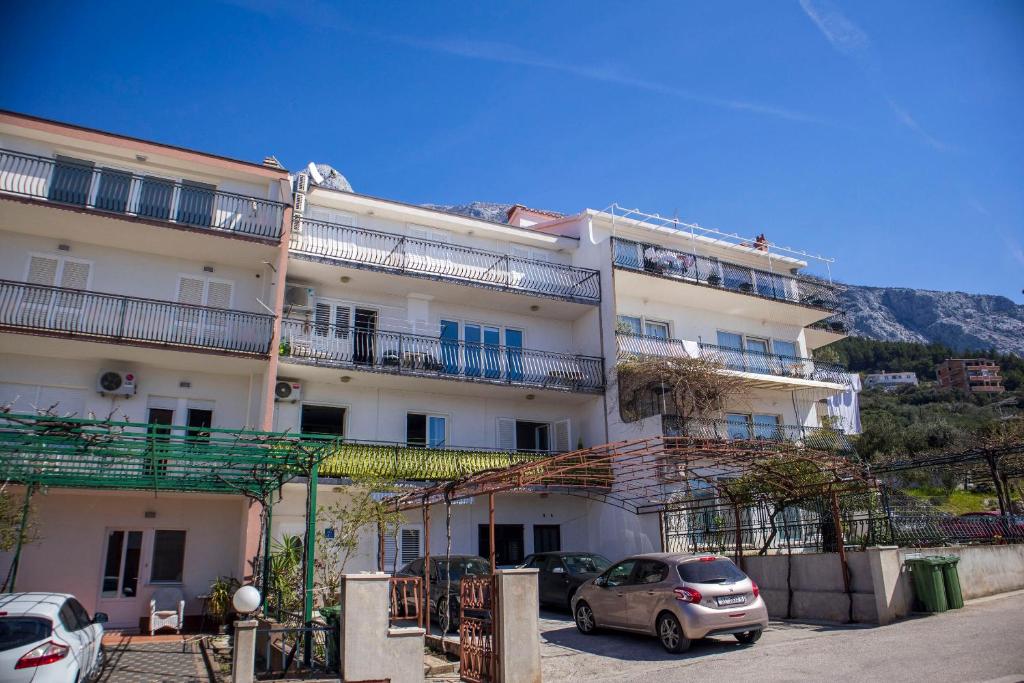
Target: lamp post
{"x": 246, "y": 600}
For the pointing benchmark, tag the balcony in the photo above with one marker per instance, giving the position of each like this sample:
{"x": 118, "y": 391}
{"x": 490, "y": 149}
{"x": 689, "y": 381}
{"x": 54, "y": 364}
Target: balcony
{"x": 738, "y": 360}
{"x": 819, "y": 438}
{"x": 381, "y": 251}
{"x": 93, "y": 316}
{"x": 148, "y": 198}
{"x": 708, "y": 271}
{"x": 423, "y": 356}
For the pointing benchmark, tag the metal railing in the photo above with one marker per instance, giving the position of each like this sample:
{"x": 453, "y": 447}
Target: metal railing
{"x": 444, "y": 261}
{"x": 840, "y": 323}
{"x": 406, "y": 599}
{"x": 820, "y": 438}
{"x": 731, "y": 358}
{"x": 124, "y": 193}
{"x": 131, "y": 320}
{"x": 714, "y": 272}
{"x": 409, "y": 354}
{"x": 290, "y": 650}
{"x": 757, "y": 362}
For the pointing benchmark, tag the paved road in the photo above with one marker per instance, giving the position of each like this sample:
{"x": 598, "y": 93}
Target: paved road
{"x": 982, "y": 642}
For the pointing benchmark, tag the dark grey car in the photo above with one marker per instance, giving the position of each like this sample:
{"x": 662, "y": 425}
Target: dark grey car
{"x": 444, "y": 608}
{"x": 560, "y": 573}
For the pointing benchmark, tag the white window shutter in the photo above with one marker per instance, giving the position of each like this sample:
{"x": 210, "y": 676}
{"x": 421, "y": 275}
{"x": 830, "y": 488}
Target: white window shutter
{"x": 42, "y": 270}
{"x": 410, "y": 540}
{"x": 321, "y": 319}
{"x": 342, "y": 321}
{"x": 563, "y": 436}
{"x": 75, "y": 274}
{"x": 506, "y": 433}
{"x": 390, "y": 552}
{"x": 191, "y": 290}
{"x": 218, "y": 294}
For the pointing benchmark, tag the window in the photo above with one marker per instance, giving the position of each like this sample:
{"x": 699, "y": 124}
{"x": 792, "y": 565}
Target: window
{"x": 633, "y": 323}
{"x": 81, "y": 616}
{"x": 619, "y": 574}
{"x": 199, "y": 422}
{"x": 785, "y": 348}
{"x": 730, "y": 340}
{"x": 535, "y": 562}
{"x": 426, "y": 431}
{"x": 719, "y": 570}
{"x": 641, "y": 325}
{"x": 547, "y": 538}
{"x": 508, "y": 543}
{"x": 532, "y": 436}
{"x": 168, "y": 556}
{"x": 651, "y": 571}
{"x": 403, "y": 549}
{"x": 656, "y": 329}
{"x": 121, "y": 566}
{"x": 20, "y": 631}
{"x": 322, "y": 420}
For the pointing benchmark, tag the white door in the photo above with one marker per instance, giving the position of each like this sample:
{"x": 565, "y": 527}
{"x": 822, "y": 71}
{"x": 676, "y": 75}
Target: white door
{"x": 204, "y": 327}
{"x": 47, "y": 308}
{"x": 122, "y": 577}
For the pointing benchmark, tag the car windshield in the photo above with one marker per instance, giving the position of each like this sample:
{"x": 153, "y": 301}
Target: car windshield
{"x": 20, "y": 631}
{"x": 717, "y": 570}
{"x": 460, "y": 566}
{"x": 585, "y": 564}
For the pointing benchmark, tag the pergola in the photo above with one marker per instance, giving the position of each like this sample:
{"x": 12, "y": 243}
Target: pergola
{"x": 658, "y": 475}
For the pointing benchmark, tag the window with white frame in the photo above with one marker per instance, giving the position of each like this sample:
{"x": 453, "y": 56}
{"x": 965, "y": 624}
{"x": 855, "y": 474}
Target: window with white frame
{"x": 534, "y": 436}
{"x": 425, "y": 430}
{"x": 645, "y": 326}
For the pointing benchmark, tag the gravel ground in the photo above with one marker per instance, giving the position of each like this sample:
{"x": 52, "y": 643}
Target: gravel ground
{"x": 982, "y": 642}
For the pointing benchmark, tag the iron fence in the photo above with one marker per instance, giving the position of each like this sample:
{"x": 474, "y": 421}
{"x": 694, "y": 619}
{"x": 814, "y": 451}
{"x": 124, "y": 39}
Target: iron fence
{"x": 406, "y": 599}
{"x": 819, "y": 438}
{"x": 126, "y": 319}
{"x": 286, "y": 651}
{"x": 114, "y": 191}
{"x": 443, "y": 260}
{"x": 409, "y": 354}
{"x": 714, "y": 272}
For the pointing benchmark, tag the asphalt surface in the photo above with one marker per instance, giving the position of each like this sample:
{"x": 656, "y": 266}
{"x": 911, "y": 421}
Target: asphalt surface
{"x": 984, "y": 641}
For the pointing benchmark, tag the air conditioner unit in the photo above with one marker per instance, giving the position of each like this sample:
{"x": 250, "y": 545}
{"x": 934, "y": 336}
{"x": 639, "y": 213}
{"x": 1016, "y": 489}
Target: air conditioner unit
{"x": 116, "y": 383}
{"x": 287, "y": 390}
{"x": 299, "y": 203}
{"x": 299, "y": 296}
{"x": 301, "y": 182}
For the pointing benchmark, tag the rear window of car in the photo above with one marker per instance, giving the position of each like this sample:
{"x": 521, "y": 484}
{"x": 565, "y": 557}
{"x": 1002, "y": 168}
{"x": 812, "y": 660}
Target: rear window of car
{"x": 19, "y": 631}
{"x": 718, "y": 570}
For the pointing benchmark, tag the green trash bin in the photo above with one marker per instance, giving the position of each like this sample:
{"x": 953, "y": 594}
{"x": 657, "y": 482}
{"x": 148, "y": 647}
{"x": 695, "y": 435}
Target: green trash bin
{"x": 951, "y": 582}
{"x": 929, "y": 587}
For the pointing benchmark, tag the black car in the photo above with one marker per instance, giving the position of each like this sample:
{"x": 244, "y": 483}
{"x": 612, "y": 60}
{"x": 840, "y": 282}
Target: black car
{"x": 561, "y": 573}
{"x": 444, "y": 608}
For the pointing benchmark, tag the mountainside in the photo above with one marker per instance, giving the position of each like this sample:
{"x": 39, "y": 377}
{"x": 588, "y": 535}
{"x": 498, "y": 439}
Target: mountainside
{"x": 956, "y": 319}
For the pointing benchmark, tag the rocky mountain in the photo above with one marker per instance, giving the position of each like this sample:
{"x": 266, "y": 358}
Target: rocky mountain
{"x": 957, "y": 319}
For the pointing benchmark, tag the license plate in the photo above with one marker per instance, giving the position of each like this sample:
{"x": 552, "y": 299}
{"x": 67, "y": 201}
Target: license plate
{"x": 731, "y": 600}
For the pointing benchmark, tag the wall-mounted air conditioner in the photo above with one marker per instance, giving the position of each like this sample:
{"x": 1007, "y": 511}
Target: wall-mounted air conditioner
{"x": 287, "y": 390}
{"x": 299, "y": 297}
{"x": 116, "y": 383}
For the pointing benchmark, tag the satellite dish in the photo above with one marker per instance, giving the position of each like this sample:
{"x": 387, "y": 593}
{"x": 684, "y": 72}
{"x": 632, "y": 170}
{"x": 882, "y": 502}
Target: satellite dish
{"x": 314, "y": 173}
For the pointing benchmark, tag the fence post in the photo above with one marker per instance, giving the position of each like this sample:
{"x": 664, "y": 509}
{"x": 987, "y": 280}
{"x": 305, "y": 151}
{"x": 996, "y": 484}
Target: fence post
{"x": 243, "y": 656}
{"x": 517, "y": 647}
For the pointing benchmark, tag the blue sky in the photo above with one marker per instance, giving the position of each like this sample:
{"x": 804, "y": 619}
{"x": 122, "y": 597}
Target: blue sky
{"x": 887, "y": 135}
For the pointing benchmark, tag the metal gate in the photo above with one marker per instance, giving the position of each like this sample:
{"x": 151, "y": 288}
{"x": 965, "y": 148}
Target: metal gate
{"x": 478, "y": 653}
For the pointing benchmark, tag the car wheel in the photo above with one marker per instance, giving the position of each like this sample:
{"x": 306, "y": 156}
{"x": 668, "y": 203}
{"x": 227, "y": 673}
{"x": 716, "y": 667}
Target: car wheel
{"x": 671, "y": 635}
{"x": 585, "y": 622}
{"x": 749, "y": 637}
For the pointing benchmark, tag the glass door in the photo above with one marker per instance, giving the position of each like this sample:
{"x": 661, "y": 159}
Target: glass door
{"x": 122, "y": 565}
{"x": 492, "y": 352}
{"x": 365, "y": 342}
{"x": 450, "y": 346}
{"x": 514, "y": 354}
{"x": 731, "y": 350}
{"x": 474, "y": 339}
{"x": 757, "y": 357}
{"x": 737, "y": 426}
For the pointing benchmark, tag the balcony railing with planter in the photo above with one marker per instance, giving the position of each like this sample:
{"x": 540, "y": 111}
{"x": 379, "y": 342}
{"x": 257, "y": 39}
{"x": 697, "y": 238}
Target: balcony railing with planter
{"x": 95, "y": 316}
{"x": 821, "y": 438}
{"x": 733, "y": 359}
{"x": 714, "y": 272}
{"x": 840, "y": 323}
{"x": 418, "y": 355}
{"x": 123, "y": 193}
{"x": 383, "y": 251}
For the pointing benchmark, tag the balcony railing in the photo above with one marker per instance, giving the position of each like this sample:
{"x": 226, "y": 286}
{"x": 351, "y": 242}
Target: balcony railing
{"x": 713, "y": 272}
{"x": 122, "y": 193}
{"x": 821, "y": 438}
{"x": 444, "y": 261}
{"x": 734, "y": 359}
{"x": 131, "y": 320}
{"x": 840, "y": 323}
{"x": 409, "y": 354}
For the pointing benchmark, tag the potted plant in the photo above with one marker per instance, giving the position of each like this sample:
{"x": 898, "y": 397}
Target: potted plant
{"x": 285, "y": 349}
{"x": 218, "y": 605}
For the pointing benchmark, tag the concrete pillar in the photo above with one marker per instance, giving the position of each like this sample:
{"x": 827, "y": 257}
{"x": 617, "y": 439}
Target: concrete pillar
{"x": 517, "y": 628}
{"x": 370, "y": 649}
{"x": 885, "y": 565}
{"x": 243, "y": 657}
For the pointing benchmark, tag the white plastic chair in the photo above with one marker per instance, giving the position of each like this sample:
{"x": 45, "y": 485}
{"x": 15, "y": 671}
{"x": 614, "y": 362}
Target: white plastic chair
{"x": 166, "y": 610}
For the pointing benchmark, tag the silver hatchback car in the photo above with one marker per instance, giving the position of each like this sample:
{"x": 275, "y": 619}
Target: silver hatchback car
{"x": 677, "y": 597}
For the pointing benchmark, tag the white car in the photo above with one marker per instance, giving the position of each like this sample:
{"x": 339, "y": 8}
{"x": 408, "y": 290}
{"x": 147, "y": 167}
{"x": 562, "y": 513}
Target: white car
{"x": 49, "y": 637}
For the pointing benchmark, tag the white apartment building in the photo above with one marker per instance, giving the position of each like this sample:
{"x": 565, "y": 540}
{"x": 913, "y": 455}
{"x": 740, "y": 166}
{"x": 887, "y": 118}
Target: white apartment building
{"x": 225, "y": 295}
{"x": 134, "y": 282}
{"x": 889, "y": 380}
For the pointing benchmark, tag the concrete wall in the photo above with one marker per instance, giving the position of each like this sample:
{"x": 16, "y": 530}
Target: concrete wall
{"x": 370, "y": 649}
{"x": 983, "y": 569}
{"x": 68, "y": 556}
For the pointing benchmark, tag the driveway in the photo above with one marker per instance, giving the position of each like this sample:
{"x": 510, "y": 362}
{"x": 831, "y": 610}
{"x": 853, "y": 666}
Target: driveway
{"x": 163, "y": 659}
{"x": 982, "y": 642}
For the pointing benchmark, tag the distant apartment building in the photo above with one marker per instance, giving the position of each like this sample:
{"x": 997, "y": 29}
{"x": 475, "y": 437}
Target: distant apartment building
{"x": 889, "y": 380}
{"x": 976, "y": 375}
